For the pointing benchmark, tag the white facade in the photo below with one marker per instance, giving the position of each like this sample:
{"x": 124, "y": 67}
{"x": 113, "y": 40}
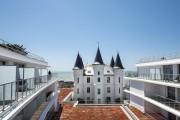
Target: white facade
{"x": 98, "y": 83}
{"x": 156, "y": 89}
{"x": 23, "y": 83}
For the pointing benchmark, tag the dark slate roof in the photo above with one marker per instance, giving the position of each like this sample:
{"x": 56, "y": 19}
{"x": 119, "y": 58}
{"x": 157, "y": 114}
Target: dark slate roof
{"x": 79, "y": 63}
{"x": 98, "y": 57}
{"x": 118, "y": 62}
{"x": 112, "y": 62}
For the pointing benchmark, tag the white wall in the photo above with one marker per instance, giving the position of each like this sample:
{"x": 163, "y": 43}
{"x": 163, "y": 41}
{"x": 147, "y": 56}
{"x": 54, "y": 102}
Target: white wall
{"x": 137, "y": 87}
{"x": 118, "y": 73}
{"x": 137, "y": 102}
{"x": 80, "y": 85}
{"x": 98, "y": 85}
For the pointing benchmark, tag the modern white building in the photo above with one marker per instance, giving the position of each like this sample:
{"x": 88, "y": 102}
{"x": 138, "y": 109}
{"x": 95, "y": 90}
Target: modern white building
{"x": 156, "y": 89}
{"x": 24, "y": 84}
{"x": 98, "y": 83}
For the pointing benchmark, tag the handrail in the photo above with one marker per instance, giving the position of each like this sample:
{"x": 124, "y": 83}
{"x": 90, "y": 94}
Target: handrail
{"x": 173, "y": 78}
{"x": 13, "y": 93}
{"x": 17, "y": 49}
{"x": 155, "y": 59}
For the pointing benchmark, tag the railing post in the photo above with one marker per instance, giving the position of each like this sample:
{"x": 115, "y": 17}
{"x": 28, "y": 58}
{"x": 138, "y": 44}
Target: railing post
{"x": 26, "y": 86}
{"x": 17, "y": 89}
{"x": 3, "y": 97}
{"x": 11, "y": 93}
{"x": 22, "y": 83}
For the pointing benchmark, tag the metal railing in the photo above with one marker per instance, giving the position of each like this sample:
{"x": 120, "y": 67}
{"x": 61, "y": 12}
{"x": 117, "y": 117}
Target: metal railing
{"x": 170, "y": 78}
{"x": 158, "y": 58}
{"x": 166, "y": 101}
{"x": 96, "y": 102}
{"x": 16, "y": 48}
{"x": 11, "y": 94}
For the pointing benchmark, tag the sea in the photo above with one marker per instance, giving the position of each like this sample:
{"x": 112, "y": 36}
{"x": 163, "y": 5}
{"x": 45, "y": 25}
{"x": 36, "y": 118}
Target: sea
{"x": 64, "y": 76}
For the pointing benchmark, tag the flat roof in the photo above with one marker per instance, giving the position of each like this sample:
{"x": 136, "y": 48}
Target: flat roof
{"x": 92, "y": 113}
{"x": 159, "y": 63}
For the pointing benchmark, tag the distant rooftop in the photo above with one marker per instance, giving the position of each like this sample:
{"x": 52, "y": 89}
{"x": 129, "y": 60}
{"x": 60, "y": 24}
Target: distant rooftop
{"x": 159, "y": 58}
{"x": 20, "y": 50}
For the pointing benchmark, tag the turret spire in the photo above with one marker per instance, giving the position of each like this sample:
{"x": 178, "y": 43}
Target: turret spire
{"x": 118, "y": 62}
{"x": 98, "y": 58}
{"x": 79, "y": 63}
{"x": 112, "y": 62}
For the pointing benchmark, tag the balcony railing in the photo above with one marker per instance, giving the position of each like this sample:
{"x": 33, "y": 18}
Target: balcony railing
{"x": 166, "y": 101}
{"x": 159, "y": 58}
{"x": 170, "y": 78}
{"x": 20, "y": 50}
{"x": 11, "y": 94}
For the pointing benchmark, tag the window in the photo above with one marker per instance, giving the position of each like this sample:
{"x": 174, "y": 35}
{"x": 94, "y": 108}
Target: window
{"x": 99, "y": 79}
{"x": 98, "y": 73}
{"x": 88, "y": 79}
{"x": 99, "y": 101}
{"x": 88, "y": 89}
{"x": 77, "y": 90}
{"x": 78, "y": 80}
{"x": 88, "y": 99}
{"x": 108, "y": 99}
{"x": 108, "y": 71}
{"x": 108, "y": 90}
{"x": 108, "y": 79}
{"x": 99, "y": 91}
{"x": 119, "y": 90}
{"x": 119, "y": 79}
{"x": 89, "y": 71}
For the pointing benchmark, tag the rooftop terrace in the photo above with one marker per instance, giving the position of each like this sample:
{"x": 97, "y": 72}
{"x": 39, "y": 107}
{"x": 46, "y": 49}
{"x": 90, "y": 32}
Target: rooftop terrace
{"x": 69, "y": 112}
{"x": 20, "y": 50}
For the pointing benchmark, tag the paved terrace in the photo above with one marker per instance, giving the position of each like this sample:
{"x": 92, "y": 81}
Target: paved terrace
{"x": 142, "y": 116}
{"x": 69, "y": 112}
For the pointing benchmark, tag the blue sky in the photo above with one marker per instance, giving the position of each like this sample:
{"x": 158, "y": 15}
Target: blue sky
{"x": 58, "y": 29}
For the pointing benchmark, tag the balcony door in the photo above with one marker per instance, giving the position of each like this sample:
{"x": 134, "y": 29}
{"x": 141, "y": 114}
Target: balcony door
{"x": 168, "y": 72}
{"x": 171, "y": 93}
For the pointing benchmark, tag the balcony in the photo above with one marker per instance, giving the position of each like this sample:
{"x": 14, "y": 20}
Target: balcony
{"x": 170, "y": 78}
{"x": 14, "y": 93}
{"x": 166, "y": 101}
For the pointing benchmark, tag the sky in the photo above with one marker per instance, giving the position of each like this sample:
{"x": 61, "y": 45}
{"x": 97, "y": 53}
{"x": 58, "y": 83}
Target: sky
{"x": 58, "y": 29}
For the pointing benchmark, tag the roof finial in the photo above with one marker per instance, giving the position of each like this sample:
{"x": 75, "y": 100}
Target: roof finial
{"x": 98, "y": 44}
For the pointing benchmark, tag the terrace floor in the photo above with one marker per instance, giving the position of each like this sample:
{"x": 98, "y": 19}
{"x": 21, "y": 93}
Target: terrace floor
{"x": 68, "y": 112}
{"x": 143, "y": 116}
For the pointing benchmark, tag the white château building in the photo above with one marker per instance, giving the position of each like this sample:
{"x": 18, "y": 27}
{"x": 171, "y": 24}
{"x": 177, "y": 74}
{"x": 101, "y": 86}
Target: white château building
{"x": 98, "y": 83}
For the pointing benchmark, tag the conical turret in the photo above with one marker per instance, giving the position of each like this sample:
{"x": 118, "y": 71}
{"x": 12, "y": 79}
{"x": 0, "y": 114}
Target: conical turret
{"x": 79, "y": 63}
{"x": 118, "y": 62}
